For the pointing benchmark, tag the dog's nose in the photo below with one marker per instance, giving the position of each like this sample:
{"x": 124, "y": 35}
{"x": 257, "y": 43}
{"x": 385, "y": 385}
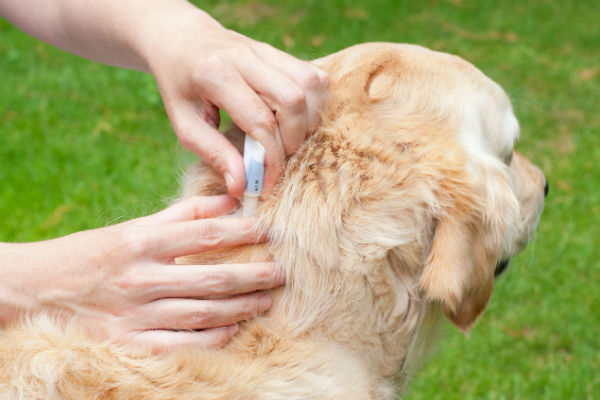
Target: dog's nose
{"x": 501, "y": 267}
{"x": 546, "y": 189}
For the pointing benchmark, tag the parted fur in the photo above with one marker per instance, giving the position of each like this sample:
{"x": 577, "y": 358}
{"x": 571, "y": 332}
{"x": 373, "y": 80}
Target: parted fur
{"x": 406, "y": 197}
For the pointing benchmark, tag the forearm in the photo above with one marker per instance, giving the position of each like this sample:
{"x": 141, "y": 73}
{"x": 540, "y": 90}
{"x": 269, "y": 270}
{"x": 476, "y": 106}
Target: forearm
{"x": 47, "y": 275}
{"x": 199, "y": 66}
{"x": 114, "y": 32}
{"x": 17, "y": 292}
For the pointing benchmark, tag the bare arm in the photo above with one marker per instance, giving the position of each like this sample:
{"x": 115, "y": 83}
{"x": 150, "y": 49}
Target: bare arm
{"x": 199, "y": 66}
{"x": 107, "y": 31}
{"x": 120, "y": 282}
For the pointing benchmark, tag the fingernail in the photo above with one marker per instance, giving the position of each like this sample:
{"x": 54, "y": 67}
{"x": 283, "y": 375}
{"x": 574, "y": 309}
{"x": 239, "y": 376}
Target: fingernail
{"x": 228, "y": 180}
{"x": 233, "y": 329}
{"x": 264, "y": 303}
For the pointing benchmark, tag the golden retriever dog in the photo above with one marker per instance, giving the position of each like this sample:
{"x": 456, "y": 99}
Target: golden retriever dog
{"x": 397, "y": 210}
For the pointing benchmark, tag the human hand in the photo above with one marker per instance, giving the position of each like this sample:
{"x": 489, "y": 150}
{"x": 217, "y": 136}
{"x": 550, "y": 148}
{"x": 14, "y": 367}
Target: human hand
{"x": 121, "y": 282}
{"x": 201, "y": 67}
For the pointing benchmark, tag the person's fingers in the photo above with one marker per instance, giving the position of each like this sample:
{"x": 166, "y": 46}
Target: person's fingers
{"x": 192, "y": 237}
{"x": 201, "y": 314}
{"x": 203, "y": 139}
{"x": 193, "y": 208}
{"x": 163, "y": 341}
{"x": 284, "y": 97}
{"x": 313, "y": 81}
{"x": 196, "y": 281}
{"x": 229, "y": 91}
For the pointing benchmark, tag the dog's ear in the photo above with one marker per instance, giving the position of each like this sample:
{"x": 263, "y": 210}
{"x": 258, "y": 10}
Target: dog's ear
{"x": 459, "y": 270}
{"x": 468, "y": 240}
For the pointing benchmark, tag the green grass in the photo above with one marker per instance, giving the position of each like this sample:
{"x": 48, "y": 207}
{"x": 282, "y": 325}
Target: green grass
{"x": 84, "y": 145}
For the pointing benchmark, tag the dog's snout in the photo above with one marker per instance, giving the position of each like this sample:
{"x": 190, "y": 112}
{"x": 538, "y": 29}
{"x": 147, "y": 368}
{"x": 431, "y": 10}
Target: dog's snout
{"x": 546, "y": 188}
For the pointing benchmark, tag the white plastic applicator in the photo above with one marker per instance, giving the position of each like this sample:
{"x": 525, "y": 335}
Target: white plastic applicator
{"x": 254, "y": 164}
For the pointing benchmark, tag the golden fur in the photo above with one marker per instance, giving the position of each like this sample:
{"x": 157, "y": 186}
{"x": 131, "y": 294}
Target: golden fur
{"x": 407, "y": 196}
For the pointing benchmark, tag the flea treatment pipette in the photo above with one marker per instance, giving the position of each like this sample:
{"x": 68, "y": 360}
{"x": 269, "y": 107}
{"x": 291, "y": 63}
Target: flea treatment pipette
{"x": 254, "y": 164}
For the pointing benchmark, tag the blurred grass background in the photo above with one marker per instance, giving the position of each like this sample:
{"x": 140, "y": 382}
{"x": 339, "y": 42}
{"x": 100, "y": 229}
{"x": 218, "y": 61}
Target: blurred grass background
{"x": 85, "y": 145}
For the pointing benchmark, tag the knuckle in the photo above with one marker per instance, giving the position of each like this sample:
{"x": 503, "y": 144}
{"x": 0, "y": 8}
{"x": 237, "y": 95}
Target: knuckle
{"x": 241, "y": 51}
{"x": 202, "y": 318}
{"x": 262, "y": 47}
{"x": 211, "y": 65}
{"x": 295, "y": 100}
{"x": 132, "y": 240}
{"x": 212, "y": 73}
{"x": 132, "y": 283}
{"x": 265, "y": 275}
{"x": 219, "y": 282}
{"x": 263, "y": 120}
{"x": 248, "y": 307}
{"x": 219, "y": 338}
{"x": 215, "y": 158}
{"x": 208, "y": 233}
{"x": 324, "y": 80}
{"x": 312, "y": 79}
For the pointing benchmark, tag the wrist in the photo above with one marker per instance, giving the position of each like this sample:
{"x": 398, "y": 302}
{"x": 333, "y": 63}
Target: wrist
{"x": 42, "y": 276}
{"x": 162, "y": 30}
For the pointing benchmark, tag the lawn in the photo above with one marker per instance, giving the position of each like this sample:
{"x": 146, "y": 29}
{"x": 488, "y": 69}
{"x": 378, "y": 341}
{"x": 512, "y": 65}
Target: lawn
{"x": 85, "y": 145}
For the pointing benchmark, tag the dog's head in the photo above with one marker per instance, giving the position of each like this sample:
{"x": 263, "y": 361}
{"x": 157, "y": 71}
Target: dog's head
{"x": 454, "y": 130}
{"x": 409, "y": 193}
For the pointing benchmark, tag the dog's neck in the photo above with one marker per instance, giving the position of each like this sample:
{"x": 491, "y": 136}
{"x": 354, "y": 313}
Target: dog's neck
{"x": 352, "y": 253}
{"x": 352, "y": 249}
